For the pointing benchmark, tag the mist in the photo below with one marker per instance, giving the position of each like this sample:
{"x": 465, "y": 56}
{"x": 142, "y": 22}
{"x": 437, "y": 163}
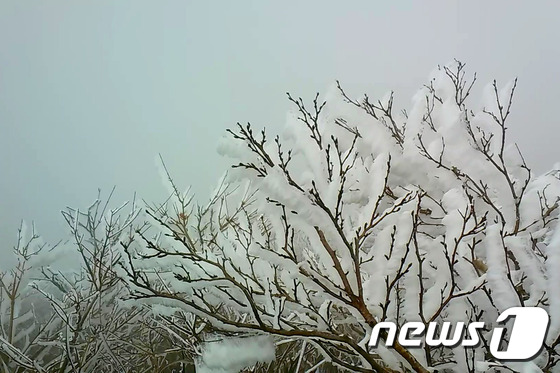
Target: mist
{"x": 91, "y": 93}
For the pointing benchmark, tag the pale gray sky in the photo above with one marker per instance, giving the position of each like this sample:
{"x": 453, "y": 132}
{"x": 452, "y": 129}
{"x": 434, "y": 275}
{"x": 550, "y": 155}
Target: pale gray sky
{"x": 92, "y": 91}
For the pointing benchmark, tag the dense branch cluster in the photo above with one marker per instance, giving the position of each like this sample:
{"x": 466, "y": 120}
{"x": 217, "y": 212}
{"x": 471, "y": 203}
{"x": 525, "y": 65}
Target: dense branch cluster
{"x": 358, "y": 215}
{"x": 61, "y": 320}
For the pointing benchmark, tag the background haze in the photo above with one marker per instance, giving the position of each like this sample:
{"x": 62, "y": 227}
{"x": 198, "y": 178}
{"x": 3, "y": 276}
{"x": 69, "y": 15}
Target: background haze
{"x": 92, "y": 91}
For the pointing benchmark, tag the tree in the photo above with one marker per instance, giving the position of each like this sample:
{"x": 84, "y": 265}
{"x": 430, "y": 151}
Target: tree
{"x": 73, "y": 319}
{"x": 357, "y": 215}
{"x": 21, "y": 324}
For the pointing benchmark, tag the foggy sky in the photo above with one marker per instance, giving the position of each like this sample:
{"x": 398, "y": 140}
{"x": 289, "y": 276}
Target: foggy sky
{"x": 92, "y": 91}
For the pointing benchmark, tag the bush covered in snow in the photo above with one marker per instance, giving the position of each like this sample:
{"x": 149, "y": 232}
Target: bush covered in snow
{"x": 56, "y": 319}
{"x": 358, "y": 214}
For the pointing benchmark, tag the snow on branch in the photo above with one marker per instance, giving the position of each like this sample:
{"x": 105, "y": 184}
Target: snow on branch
{"x": 357, "y": 215}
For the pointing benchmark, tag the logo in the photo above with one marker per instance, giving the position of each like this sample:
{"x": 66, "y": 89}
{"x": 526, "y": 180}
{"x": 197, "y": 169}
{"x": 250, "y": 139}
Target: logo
{"x": 525, "y": 340}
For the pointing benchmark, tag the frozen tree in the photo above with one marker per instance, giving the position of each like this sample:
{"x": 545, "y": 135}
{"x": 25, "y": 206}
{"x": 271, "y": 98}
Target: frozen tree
{"x": 23, "y": 322}
{"x": 72, "y": 319}
{"x": 360, "y": 214}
